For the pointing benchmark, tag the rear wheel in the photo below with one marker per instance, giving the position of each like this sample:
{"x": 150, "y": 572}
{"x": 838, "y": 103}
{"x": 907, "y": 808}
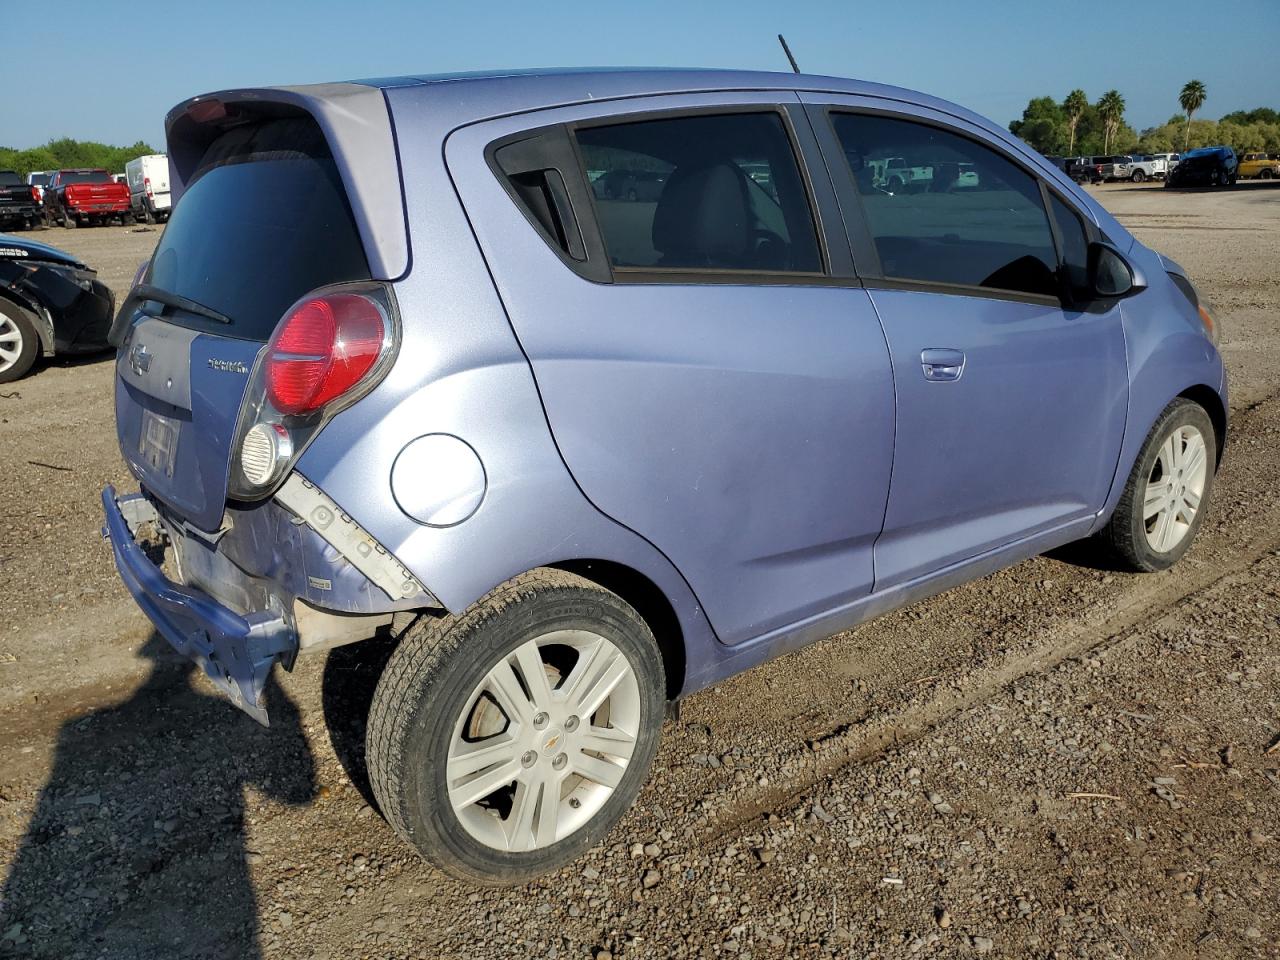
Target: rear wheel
{"x": 506, "y": 741}
{"x": 1165, "y": 497}
{"x": 1138, "y": 176}
{"x": 1266, "y": 174}
{"x": 19, "y": 342}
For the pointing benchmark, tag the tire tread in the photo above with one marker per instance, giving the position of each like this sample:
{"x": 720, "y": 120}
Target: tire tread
{"x": 410, "y": 679}
{"x": 1117, "y": 536}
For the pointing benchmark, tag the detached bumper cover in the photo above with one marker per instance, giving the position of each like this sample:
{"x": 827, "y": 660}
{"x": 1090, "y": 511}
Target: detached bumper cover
{"x": 236, "y": 651}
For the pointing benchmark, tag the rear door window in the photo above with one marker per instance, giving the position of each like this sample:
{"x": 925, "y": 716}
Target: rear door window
{"x": 701, "y": 192}
{"x": 942, "y": 208}
{"x": 264, "y": 222}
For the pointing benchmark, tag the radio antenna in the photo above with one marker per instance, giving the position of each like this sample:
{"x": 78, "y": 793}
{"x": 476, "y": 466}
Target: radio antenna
{"x": 787, "y": 50}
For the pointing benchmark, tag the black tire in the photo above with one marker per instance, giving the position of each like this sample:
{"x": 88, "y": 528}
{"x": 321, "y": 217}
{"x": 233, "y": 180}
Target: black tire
{"x": 1138, "y": 176}
{"x": 69, "y": 221}
{"x": 148, "y": 216}
{"x": 1125, "y": 535}
{"x": 1266, "y": 174}
{"x": 428, "y": 684}
{"x": 24, "y": 323}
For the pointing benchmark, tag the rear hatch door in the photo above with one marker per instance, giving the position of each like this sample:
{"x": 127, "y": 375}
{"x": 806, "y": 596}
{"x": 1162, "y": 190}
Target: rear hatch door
{"x": 264, "y": 222}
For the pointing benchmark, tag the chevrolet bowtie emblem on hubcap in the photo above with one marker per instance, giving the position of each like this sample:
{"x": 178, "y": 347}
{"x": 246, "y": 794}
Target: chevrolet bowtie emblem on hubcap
{"x": 140, "y": 359}
{"x": 551, "y": 743}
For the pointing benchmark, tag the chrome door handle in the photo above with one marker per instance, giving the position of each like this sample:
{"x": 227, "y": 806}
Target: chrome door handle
{"x": 941, "y": 364}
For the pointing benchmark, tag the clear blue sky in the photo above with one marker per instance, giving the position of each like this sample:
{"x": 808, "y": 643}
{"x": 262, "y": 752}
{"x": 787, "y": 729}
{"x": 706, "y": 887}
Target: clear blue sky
{"x": 115, "y": 68}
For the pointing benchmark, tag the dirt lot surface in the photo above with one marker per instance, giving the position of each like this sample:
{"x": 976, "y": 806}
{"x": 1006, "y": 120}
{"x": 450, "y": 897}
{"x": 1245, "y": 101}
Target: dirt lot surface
{"x": 1056, "y": 761}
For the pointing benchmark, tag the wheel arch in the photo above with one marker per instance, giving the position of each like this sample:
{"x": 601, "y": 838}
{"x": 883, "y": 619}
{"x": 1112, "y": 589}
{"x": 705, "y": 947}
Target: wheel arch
{"x": 1211, "y": 402}
{"x": 649, "y": 601}
{"x": 44, "y": 326}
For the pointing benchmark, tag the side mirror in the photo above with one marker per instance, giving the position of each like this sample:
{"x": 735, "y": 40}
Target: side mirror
{"x": 1111, "y": 276}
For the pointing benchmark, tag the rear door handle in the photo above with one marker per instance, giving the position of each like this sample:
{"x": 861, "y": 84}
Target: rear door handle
{"x": 941, "y": 364}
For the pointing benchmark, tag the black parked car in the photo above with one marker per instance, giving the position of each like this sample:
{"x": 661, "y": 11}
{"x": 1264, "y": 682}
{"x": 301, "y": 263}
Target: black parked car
{"x": 19, "y": 202}
{"x": 50, "y": 303}
{"x": 1205, "y": 166}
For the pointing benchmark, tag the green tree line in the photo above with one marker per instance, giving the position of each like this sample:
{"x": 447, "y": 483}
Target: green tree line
{"x": 1075, "y": 127}
{"x": 66, "y": 152}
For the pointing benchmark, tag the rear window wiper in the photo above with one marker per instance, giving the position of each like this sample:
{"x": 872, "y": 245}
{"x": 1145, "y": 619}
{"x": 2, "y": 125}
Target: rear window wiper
{"x": 144, "y": 292}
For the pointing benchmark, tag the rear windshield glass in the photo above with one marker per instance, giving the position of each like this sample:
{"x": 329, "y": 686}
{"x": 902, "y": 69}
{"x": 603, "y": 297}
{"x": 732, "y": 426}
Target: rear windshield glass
{"x": 85, "y": 176}
{"x": 38, "y": 179}
{"x": 264, "y": 222}
{"x": 8, "y": 178}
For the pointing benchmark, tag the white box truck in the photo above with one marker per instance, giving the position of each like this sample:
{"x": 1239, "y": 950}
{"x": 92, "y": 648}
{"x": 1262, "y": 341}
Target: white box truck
{"x": 149, "y": 187}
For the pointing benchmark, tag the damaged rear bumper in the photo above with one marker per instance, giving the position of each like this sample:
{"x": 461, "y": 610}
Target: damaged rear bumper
{"x": 236, "y": 650}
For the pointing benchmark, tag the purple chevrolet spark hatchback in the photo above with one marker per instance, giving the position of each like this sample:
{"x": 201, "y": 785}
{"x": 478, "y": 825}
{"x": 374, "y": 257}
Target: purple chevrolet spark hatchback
{"x": 594, "y": 388}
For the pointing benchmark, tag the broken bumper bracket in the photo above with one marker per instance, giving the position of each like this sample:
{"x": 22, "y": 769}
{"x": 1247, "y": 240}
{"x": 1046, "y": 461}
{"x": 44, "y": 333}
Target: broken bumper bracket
{"x": 236, "y": 651}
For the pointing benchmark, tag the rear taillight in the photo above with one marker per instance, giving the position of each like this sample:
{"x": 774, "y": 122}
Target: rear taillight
{"x": 321, "y": 350}
{"x": 35, "y": 195}
{"x": 146, "y": 184}
{"x": 331, "y": 348}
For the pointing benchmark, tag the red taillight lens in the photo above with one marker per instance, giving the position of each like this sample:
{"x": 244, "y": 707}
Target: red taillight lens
{"x": 322, "y": 350}
{"x": 35, "y": 195}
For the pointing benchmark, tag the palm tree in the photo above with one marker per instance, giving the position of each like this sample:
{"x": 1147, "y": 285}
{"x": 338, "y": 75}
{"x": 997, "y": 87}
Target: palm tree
{"x": 1075, "y": 105}
{"x": 1111, "y": 109}
{"x": 1192, "y": 99}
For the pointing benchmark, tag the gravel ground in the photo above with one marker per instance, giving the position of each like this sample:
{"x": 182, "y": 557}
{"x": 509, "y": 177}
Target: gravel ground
{"x": 1055, "y": 761}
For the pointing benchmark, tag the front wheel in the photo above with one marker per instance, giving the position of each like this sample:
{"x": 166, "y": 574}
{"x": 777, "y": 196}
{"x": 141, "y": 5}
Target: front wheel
{"x": 506, "y": 741}
{"x": 19, "y": 342}
{"x": 1165, "y": 497}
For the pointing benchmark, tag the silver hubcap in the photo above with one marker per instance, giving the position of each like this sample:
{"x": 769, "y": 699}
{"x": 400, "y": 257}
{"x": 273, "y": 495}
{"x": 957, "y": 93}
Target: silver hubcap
{"x": 1174, "y": 489}
{"x": 543, "y": 741}
{"x": 10, "y": 343}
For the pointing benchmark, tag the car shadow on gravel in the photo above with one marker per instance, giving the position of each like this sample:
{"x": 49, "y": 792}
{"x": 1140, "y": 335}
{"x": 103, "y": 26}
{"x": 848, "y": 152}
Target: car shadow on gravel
{"x": 137, "y": 847}
{"x": 351, "y": 675}
{"x": 1085, "y": 554}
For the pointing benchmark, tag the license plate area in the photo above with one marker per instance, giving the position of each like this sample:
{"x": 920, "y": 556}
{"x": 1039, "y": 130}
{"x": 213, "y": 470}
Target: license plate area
{"x": 158, "y": 442}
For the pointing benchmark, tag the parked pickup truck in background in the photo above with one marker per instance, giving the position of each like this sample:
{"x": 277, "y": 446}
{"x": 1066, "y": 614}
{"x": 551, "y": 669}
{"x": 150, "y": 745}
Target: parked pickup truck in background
{"x": 898, "y": 176}
{"x": 75, "y": 197}
{"x": 19, "y": 202}
{"x": 1092, "y": 169}
{"x": 1147, "y": 167}
{"x": 39, "y": 179}
{"x": 1262, "y": 166}
{"x": 1113, "y": 168}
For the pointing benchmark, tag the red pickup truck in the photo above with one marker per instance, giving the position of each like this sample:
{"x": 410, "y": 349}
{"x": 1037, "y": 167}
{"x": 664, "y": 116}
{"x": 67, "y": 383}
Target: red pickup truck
{"x": 75, "y": 197}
